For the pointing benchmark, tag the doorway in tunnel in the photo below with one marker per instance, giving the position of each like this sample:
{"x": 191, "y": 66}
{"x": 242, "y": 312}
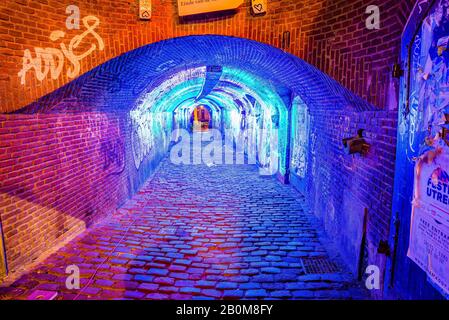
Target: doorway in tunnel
{"x": 201, "y": 118}
{"x": 418, "y": 267}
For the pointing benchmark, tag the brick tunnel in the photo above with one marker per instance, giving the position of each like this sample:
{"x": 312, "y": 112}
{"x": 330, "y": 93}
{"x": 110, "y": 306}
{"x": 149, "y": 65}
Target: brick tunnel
{"x": 204, "y": 164}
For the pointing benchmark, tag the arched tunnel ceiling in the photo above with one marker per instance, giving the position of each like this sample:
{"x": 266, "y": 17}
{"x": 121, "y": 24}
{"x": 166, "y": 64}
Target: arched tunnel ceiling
{"x": 119, "y": 83}
{"x": 231, "y": 90}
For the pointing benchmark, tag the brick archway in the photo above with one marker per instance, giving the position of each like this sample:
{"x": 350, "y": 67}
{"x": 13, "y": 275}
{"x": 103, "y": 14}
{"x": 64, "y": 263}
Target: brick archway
{"x": 129, "y": 76}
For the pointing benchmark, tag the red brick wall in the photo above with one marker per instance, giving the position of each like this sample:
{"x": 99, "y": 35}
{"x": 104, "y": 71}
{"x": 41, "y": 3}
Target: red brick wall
{"x": 58, "y": 174}
{"x": 341, "y": 187}
{"x": 329, "y": 34}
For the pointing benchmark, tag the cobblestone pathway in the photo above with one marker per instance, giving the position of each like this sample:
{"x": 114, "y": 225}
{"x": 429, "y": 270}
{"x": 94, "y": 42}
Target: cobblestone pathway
{"x": 197, "y": 232}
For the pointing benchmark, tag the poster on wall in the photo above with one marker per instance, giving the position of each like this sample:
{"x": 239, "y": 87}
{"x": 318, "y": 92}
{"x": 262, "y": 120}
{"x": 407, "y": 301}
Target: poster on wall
{"x": 429, "y": 231}
{"x": 300, "y": 134}
{"x": 191, "y": 7}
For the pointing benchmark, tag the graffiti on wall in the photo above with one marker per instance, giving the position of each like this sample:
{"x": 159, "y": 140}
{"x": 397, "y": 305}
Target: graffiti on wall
{"x": 267, "y": 141}
{"x": 149, "y": 134}
{"x": 300, "y": 134}
{"x": 112, "y": 152}
{"x": 51, "y": 61}
{"x": 142, "y": 138}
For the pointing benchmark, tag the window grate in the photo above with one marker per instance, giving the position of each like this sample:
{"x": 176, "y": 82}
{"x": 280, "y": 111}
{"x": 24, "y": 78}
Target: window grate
{"x": 319, "y": 265}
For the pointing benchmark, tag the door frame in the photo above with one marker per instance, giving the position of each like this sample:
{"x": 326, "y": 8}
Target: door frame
{"x": 300, "y": 183}
{"x": 403, "y": 278}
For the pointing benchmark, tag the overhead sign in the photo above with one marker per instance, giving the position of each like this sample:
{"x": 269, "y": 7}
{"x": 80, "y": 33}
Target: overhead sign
{"x": 145, "y": 9}
{"x": 259, "y": 7}
{"x": 429, "y": 234}
{"x": 191, "y": 7}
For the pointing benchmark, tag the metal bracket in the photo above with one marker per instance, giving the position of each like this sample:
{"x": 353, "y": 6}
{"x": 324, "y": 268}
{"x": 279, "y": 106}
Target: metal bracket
{"x": 384, "y": 248}
{"x": 398, "y": 72}
{"x": 286, "y": 40}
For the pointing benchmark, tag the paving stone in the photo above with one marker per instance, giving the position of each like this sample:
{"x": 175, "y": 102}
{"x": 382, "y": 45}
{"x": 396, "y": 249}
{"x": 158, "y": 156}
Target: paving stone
{"x": 137, "y": 270}
{"x": 184, "y": 262}
{"x": 158, "y": 272}
{"x": 148, "y": 287}
{"x": 263, "y": 278}
{"x": 231, "y": 272}
{"x": 233, "y": 294}
{"x": 191, "y": 290}
{"x": 303, "y": 294}
{"x": 184, "y": 283}
{"x": 211, "y": 293}
{"x": 206, "y": 284}
{"x": 250, "y": 285}
{"x": 195, "y": 270}
{"x": 168, "y": 289}
{"x": 134, "y": 294}
{"x": 271, "y": 270}
{"x": 157, "y": 296}
{"x": 250, "y": 271}
{"x": 145, "y": 258}
{"x": 180, "y": 296}
{"x": 286, "y": 277}
{"x": 227, "y": 285}
{"x": 260, "y": 293}
{"x": 164, "y": 280}
{"x": 104, "y": 283}
{"x": 122, "y": 276}
{"x": 179, "y": 275}
{"x": 273, "y": 285}
{"x": 177, "y": 268}
{"x": 281, "y": 294}
{"x": 144, "y": 278}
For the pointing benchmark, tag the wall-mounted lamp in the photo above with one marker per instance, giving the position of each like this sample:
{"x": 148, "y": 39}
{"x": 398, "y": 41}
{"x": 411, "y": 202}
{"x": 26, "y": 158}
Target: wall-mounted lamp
{"x": 356, "y": 144}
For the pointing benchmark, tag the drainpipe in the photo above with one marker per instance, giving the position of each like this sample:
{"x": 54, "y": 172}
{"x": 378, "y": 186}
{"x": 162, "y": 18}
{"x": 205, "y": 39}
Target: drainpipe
{"x": 3, "y": 263}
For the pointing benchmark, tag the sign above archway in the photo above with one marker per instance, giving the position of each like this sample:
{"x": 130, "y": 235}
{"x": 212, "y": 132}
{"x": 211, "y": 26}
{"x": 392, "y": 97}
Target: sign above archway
{"x": 191, "y": 7}
{"x": 259, "y": 7}
{"x": 145, "y": 9}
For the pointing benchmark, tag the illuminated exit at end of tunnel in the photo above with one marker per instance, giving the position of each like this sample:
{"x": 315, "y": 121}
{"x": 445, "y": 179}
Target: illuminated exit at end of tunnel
{"x": 177, "y": 150}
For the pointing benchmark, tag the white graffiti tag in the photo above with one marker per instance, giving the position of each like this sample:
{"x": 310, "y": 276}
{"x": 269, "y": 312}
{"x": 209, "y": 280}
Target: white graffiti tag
{"x": 142, "y": 139}
{"x": 51, "y": 60}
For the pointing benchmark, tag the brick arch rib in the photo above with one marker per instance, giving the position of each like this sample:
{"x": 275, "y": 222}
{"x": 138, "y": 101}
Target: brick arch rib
{"x": 114, "y": 84}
